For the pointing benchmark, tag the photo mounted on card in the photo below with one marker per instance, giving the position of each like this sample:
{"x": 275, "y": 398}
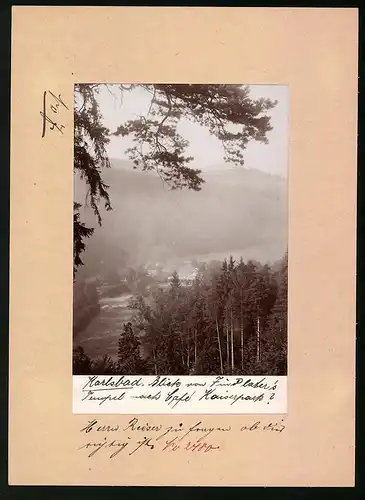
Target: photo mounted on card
{"x": 182, "y": 281}
{"x": 180, "y": 248}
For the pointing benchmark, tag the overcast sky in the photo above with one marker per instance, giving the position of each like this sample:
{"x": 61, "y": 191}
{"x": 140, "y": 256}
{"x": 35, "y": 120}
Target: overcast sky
{"x": 206, "y": 150}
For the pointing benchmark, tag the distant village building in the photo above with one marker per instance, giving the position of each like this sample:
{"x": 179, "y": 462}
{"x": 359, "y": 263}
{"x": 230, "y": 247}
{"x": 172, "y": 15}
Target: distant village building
{"x": 187, "y": 274}
{"x": 189, "y": 280}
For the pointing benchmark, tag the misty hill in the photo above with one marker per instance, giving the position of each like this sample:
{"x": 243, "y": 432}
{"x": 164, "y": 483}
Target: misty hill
{"x": 238, "y": 211}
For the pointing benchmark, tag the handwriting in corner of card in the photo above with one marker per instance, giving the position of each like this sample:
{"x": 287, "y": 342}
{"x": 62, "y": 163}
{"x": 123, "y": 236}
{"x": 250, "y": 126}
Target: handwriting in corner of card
{"x": 52, "y": 104}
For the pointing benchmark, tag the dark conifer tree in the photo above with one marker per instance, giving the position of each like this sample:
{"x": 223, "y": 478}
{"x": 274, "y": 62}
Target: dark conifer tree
{"x": 129, "y": 356}
{"x": 81, "y": 362}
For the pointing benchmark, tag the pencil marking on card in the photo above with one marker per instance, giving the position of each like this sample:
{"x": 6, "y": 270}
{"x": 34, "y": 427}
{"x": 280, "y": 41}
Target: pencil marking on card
{"x": 51, "y": 105}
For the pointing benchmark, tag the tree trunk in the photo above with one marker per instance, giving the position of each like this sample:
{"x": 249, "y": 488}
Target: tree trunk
{"x": 195, "y": 348}
{"x": 188, "y": 361}
{"x": 154, "y": 360}
{"x": 241, "y": 328}
{"x": 227, "y": 340}
{"x": 219, "y": 346}
{"x": 182, "y": 350}
{"x": 232, "y": 355}
{"x": 258, "y": 340}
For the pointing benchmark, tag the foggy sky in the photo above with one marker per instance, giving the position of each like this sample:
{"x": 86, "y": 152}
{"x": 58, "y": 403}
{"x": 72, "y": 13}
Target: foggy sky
{"x": 206, "y": 150}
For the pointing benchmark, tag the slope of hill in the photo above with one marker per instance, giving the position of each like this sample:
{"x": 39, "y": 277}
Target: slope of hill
{"x": 237, "y": 211}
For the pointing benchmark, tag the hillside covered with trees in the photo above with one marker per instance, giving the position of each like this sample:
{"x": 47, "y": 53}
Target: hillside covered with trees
{"x": 231, "y": 320}
{"x": 238, "y": 210}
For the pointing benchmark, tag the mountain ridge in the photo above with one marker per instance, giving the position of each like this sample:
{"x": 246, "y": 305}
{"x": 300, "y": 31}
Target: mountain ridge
{"x": 237, "y": 209}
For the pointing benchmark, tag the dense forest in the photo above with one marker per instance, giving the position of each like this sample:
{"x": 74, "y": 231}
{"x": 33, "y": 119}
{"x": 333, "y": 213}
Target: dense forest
{"x": 231, "y": 319}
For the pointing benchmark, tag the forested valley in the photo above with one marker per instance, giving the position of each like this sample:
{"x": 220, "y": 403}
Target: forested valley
{"x": 178, "y": 250}
{"x": 230, "y": 319}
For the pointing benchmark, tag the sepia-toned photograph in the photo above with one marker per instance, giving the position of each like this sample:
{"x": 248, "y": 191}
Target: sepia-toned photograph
{"x": 180, "y": 229}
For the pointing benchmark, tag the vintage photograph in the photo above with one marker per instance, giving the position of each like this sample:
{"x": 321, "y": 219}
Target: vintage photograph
{"x": 180, "y": 221}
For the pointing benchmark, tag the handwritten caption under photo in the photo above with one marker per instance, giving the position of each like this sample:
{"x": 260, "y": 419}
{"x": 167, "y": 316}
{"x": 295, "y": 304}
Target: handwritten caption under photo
{"x": 179, "y": 395}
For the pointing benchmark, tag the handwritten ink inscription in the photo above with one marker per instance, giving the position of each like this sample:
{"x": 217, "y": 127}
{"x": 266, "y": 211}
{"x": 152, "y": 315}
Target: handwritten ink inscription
{"x": 163, "y": 394}
{"x": 136, "y": 436}
{"x": 50, "y": 112}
